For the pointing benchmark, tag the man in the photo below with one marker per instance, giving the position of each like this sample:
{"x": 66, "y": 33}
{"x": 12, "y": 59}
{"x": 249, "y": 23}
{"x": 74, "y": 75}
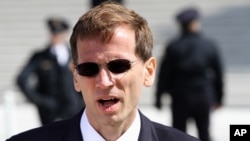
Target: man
{"x": 53, "y": 93}
{"x": 191, "y": 72}
{"x": 111, "y": 46}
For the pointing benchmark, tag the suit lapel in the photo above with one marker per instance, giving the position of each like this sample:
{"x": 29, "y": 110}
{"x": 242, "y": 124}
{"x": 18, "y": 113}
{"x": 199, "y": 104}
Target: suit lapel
{"x": 147, "y": 132}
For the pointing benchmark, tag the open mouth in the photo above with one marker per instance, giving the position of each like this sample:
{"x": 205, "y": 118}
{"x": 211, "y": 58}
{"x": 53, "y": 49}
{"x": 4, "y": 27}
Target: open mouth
{"x": 108, "y": 102}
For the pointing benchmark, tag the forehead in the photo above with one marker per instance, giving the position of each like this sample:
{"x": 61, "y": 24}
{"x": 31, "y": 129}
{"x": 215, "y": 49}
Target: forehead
{"x": 122, "y": 44}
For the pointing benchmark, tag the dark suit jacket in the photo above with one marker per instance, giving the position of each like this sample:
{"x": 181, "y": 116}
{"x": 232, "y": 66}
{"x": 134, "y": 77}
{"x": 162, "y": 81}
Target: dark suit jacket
{"x": 69, "y": 130}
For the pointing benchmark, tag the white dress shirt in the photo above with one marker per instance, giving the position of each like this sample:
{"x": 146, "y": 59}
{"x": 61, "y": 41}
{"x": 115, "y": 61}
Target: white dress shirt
{"x": 62, "y": 54}
{"x": 90, "y": 134}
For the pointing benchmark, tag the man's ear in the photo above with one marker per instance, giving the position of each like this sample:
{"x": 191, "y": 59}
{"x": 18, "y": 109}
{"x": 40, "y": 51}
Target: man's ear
{"x": 75, "y": 78}
{"x": 150, "y": 68}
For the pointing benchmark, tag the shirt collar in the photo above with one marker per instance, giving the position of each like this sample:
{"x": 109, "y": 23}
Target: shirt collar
{"x": 61, "y": 53}
{"x": 90, "y": 134}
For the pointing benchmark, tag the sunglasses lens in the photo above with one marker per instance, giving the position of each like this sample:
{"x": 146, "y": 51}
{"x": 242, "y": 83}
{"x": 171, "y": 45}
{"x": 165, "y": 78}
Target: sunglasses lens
{"x": 88, "y": 69}
{"x": 119, "y": 65}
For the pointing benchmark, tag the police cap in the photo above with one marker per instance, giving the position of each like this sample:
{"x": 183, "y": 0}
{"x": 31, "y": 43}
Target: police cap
{"x": 57, "y": 25}
{"x": 187, "y": 15}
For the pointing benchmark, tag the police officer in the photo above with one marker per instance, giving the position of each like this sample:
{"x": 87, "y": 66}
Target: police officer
{"x": 46, "y": 80}
{"x": 191, "y": 72}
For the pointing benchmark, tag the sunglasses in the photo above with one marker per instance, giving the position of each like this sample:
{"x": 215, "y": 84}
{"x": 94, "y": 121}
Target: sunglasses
{"x": 90, "y": 69}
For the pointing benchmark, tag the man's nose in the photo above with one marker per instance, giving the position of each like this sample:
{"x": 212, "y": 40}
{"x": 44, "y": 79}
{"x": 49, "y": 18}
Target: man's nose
{"x": 104, "y": 79}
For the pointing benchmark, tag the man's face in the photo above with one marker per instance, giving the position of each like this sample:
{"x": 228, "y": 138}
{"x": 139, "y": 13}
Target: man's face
{"x": 112, "y": 97}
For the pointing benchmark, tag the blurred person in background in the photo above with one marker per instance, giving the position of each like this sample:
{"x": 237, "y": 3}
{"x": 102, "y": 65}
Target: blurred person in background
{"x": 97, "y": 2}
{"x": 191, "y": 72}
{"x": 46, "y": 79}
{"x": 107, "y": 57}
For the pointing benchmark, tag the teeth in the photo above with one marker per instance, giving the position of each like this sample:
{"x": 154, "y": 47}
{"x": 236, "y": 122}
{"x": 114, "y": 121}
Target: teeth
{"x": 108, "y": 99}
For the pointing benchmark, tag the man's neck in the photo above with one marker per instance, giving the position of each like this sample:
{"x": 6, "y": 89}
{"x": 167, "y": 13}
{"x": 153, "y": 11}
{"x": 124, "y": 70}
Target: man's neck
{"x": 112, "y": 130}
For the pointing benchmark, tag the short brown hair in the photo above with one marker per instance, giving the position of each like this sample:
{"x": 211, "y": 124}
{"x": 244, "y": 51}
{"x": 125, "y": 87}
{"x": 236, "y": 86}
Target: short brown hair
{"x": 102, "y": 20}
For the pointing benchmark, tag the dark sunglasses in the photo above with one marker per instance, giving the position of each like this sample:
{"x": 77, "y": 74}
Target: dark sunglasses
{"x": 90, "y": 69}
